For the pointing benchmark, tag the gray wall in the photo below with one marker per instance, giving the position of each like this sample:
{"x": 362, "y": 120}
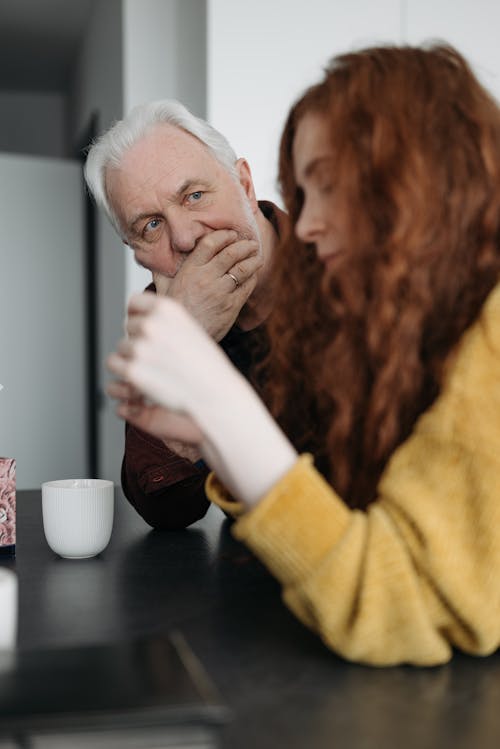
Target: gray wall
{"x": 98, "y": 87}
{"x": 33, "y": 123}
{"x": 167, "y": 59}
{"x": 42, "y": 409}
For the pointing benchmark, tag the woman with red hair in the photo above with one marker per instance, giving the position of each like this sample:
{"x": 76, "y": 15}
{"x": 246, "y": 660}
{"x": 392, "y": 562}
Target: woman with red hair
{"x": 384, "y": 363}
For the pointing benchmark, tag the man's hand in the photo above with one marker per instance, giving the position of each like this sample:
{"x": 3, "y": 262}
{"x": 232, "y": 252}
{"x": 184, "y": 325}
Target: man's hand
{"x": 203, "y": 284}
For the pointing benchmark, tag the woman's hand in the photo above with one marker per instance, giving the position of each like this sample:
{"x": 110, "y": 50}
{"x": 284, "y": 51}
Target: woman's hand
{"x": 179, "y": 433}
{"x": 195, "y": 391}
{"x": 168, "y": 357}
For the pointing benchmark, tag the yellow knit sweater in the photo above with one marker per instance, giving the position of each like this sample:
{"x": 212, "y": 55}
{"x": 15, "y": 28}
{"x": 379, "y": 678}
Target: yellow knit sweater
{"x": 418, "y": 573}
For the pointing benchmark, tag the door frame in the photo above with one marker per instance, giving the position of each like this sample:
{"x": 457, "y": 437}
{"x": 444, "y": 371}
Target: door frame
{"x": 91, "y": 297}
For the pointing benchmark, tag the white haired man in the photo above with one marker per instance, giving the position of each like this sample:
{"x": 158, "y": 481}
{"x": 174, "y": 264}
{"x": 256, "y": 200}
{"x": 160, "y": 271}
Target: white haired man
{"x": 177, "y": 194}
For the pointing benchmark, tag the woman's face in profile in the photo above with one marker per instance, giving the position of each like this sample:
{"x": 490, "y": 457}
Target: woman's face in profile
{"x": 313, "y": 160}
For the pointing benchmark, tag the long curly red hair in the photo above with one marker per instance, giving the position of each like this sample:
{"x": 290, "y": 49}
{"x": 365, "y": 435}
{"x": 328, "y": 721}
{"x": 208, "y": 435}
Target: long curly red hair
{"x": 357, "y": 352}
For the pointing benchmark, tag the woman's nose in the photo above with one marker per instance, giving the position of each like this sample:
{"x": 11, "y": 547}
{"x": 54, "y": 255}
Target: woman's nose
{"x": 309, "y": 225}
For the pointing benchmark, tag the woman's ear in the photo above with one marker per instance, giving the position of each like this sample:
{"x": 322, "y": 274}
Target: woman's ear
{"x": 246, "y": 181}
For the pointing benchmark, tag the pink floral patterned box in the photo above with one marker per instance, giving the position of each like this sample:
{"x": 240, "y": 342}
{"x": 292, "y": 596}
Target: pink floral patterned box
{"x": 7, "y": 506}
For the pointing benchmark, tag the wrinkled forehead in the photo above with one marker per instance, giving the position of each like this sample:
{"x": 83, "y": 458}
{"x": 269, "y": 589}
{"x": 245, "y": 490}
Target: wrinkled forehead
{"x": 165, "y": 156}
{"x": 164, "y": 143}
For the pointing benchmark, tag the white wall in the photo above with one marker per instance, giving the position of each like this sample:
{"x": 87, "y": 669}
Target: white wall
{"x": 471, "y": 26}
{"x": 262, "y": 54}
{"x": 33, "y": 123}
{"x": 164, "y": 54}
{"x": 98, "y": 87}
{"x": 42, "y": 409}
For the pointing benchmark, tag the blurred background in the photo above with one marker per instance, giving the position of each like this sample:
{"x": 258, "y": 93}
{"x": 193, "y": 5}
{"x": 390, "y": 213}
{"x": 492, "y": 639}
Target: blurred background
{"x": 68, "y": 69}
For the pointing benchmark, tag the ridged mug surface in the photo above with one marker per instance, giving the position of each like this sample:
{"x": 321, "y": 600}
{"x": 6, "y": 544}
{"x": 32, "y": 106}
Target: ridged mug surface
{"x": 78, "y": 516}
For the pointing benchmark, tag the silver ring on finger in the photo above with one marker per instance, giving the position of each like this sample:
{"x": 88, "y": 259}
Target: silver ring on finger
{"x": 236, "y": 282}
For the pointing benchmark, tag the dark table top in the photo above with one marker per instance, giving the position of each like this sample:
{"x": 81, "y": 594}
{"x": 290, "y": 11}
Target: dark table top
{"x": 285, "y": 689}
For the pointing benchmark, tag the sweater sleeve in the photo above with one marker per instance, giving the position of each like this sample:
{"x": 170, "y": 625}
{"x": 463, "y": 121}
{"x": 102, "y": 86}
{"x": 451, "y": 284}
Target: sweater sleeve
{"x": 418, "y": 573}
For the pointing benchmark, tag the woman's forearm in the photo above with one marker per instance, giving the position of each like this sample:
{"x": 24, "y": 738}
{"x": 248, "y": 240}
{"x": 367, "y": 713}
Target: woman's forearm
{"x": 243, "y": 444}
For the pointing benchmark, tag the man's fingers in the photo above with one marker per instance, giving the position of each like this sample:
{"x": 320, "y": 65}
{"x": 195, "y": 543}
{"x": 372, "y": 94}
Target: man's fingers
{"x": 211, "y": 245}
{"x": 162, "y": 283}
{"x": 244, "y": 290}
{"x": 222, "y": 246}
{"x": 235, "y": 253}
{"x": 244, "y": 270}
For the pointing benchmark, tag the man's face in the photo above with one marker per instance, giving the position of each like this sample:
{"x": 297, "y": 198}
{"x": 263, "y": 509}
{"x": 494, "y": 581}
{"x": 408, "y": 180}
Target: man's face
{"x": 169, "y": 191}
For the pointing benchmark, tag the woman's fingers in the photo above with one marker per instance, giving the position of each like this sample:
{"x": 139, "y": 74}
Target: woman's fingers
{"x": 161, "y": 357}
{"x": 141, "y": 303}
{"x": 123, "y": 391}
{"x": 149, "y": 317}
{"x": 118, "y": 365}
{"x": 160, "y": 422}
{"x": 119, "y": 361}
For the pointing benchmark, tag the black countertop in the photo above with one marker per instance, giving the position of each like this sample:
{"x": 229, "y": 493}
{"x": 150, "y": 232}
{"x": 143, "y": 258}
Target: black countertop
{"x": 284, "y": 687}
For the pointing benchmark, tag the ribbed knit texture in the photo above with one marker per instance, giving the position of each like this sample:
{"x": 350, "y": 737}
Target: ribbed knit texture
{"x": 419, "y": 573}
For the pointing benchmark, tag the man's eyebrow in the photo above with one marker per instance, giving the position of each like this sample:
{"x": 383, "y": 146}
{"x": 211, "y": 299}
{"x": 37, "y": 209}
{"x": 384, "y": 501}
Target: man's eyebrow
{"x": 186, "y": 185}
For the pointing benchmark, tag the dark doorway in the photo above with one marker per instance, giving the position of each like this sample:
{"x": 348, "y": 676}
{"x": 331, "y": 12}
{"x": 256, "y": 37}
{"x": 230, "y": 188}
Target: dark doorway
{"x": 91, "y": 310}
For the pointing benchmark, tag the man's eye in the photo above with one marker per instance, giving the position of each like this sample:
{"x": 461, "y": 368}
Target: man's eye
{"x": 194, "y": 197}
{"x": 152, "y": 225}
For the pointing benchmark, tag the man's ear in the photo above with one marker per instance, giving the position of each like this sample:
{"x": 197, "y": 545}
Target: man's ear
{"x": 246, "y": 181}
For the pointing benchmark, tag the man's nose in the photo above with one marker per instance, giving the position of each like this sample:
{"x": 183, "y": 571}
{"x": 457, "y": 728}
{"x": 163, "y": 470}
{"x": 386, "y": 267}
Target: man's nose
{"x": 184, "y": 230}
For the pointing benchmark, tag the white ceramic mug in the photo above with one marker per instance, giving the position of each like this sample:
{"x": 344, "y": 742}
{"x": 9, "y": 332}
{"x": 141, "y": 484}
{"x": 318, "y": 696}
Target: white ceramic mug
{"x": 78, "y": 516}
{"x": 8, "y": 610}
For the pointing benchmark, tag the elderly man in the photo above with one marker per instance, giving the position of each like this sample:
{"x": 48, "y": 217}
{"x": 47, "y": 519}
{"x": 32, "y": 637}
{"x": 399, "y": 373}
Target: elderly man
{"x": 179, "y": 197}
